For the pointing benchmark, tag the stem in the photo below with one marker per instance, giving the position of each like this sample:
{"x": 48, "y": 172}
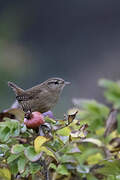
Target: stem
{"x": 46, "y": 171}
{"x": 12, "y": 177}
{"x": 54, "y": 176}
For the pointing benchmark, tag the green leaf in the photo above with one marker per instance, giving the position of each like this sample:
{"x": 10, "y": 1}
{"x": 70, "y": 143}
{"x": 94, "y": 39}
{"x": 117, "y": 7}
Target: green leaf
{"x": 110, "y": 167}
{"x": 9, "y": 128}
{"x": 94, "y": 113}
{"x": 49, "y": 152}
{"x": 26, "y": 172}
{"x": 12, "y": 157}
{"x": 112, "y": 92}
{"x": 14, "y": 126}
{"x": 67, "y": 159}
{"x": 56, "y": 143}
{"x": 85, "y": 153}
{"x": 118, "y": 122}
{"x": 4, "y": 133}
{"x": 14, "y": 167}
{"x": 73, "y": 150}
{"x": 31, "y": 154}
{"x": 90, "y": 177}
{"x": 18, "y": 148}
{"x": 61, "y": 169}
{"x": 95, "y": 158}
{"x": 52, "y": 166}
{"x": 21, "y": 164}
{"x": 34, "y": 168}
{"x": 111, "y": 85}
{"x": 49, "y": 120}
{"x": 92, "y": 106}
{"x": 3, "y": 149}
{"x": 64, "y": 131}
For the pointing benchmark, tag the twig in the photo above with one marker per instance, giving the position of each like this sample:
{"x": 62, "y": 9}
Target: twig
{"x": 46, "y": 172}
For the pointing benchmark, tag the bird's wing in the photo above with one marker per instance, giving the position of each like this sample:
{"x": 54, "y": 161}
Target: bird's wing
{"x": 25, "y": 99}
{"x": 28, "y": 95}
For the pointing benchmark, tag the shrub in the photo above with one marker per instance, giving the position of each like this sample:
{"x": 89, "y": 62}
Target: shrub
{"x": 84, "y": 145}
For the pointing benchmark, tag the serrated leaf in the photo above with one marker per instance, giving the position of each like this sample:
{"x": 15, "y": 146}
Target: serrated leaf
{"x": 18, "y": 148}
{"x": 31, "y": 154}
{"x": 38, "y": 142}
{"x": 5, "y": 174}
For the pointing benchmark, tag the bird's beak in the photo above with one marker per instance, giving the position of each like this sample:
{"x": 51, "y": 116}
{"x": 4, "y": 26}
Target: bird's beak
{"x": 66, "y": 83}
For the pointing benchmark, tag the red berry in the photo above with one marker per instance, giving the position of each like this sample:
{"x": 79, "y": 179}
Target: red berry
{"x": 36, "y": 120}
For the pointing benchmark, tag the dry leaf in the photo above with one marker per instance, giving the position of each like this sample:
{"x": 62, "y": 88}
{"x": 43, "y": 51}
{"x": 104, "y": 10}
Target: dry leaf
{"x": 71, "y": 117}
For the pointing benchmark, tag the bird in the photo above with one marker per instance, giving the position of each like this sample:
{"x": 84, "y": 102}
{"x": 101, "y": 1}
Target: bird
{"x": 41, "y": 98}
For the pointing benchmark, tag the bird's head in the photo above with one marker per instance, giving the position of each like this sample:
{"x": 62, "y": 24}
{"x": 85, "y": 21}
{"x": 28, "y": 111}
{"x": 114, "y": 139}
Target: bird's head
{"x": 56, "y": 84}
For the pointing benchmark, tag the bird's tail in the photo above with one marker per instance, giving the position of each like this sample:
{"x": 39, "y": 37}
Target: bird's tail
{"x": 15, "y": 88}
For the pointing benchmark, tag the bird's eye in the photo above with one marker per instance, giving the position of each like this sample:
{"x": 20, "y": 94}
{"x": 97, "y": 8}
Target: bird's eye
{"x": 56, "y": 82}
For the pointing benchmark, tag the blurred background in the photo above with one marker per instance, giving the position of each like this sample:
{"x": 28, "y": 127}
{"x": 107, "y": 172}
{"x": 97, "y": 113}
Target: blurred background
{"x": 78, "y": 40}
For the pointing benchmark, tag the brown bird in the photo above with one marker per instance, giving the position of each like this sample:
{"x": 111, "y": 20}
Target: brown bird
{"x": 42, "y": 97}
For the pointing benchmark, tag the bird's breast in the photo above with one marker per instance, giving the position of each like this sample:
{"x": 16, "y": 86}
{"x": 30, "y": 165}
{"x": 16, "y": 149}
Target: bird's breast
{"x": 44, "y": 102}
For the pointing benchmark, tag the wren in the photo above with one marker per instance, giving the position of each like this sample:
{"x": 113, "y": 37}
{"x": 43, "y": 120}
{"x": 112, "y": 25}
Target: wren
{"x": 41, "y": 98}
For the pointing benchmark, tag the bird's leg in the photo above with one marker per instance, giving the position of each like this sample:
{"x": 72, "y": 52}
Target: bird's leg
{"x": 28, "y": 114}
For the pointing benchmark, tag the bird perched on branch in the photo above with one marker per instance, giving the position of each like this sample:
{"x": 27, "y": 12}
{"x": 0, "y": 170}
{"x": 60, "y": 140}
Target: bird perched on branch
{"x": 42, "y": 97}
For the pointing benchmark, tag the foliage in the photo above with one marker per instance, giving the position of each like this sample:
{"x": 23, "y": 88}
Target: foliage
{"x": 82, "y": 146}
